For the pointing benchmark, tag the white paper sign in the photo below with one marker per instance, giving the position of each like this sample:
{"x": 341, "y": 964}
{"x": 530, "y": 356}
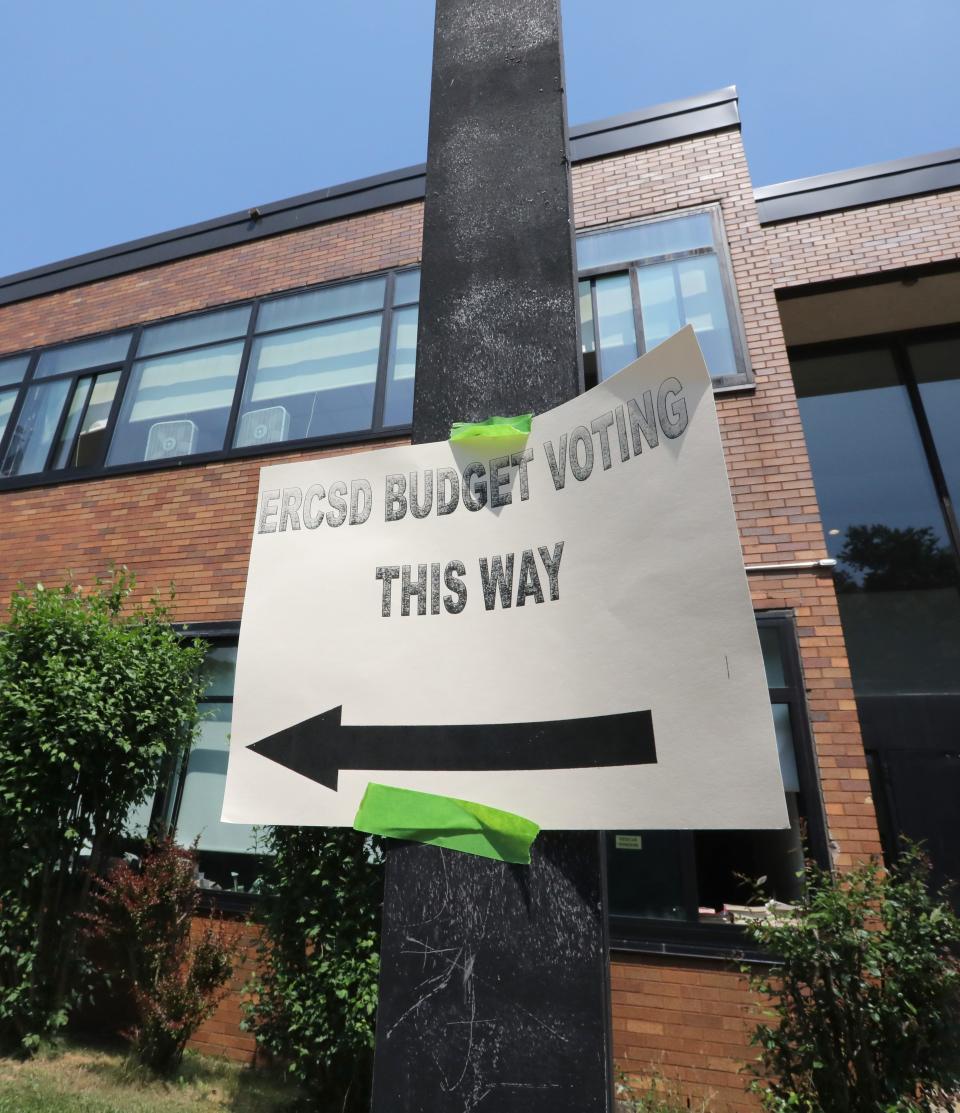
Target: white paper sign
{"x": 587, "y": 574}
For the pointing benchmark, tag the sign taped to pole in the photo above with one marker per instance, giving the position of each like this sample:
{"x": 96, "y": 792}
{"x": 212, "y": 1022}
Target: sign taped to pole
{"x": 557, "y": 626}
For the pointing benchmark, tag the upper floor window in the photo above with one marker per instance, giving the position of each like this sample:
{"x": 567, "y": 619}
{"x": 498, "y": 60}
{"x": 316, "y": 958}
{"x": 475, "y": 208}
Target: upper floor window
{"x": 641, "y": 283}
{"x": 333, "y": 363}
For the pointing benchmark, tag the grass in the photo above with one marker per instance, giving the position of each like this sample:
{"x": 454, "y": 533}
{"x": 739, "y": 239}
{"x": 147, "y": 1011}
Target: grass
{"x": 77, "y": 1079}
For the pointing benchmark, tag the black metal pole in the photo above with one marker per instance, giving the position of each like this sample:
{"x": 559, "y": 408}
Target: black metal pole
{"x": 494, "y": 986}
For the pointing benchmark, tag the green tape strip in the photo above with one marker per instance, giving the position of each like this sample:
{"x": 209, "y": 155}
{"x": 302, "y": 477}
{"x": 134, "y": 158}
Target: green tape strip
{"x": 518, "y": 426}
{"x": 400, "y": 813}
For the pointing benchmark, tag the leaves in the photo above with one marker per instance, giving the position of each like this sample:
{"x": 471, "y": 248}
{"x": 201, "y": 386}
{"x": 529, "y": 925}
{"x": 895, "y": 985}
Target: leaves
{"x": 867, "y": 1000}
{"x": 315, "y": 1003}
{"x": 95, "y": 694}
{"x": 144, "y": 916}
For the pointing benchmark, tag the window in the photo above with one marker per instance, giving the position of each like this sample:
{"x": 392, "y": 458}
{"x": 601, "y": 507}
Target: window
{"x": 333, "y": 363}
{"x": 643, "y": 282}
{"x": 880, "y": 417}
{"x": 64, "y": 410}
{"x": 685, "y": 890}
{"x": 189, "y": 798}
{"x": 178, "y": 399}
{"x": 336, "y": 362}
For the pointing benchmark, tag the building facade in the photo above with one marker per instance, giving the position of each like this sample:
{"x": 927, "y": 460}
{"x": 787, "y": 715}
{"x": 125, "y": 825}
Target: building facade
{"x": 142, "y": 388}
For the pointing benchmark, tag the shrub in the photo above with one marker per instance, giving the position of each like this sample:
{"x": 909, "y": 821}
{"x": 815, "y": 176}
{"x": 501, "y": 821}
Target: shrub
{"x": 314, "y": 1005}
{"x": 866, "y": 1001}
{"x": 144, "y": 918}
{"x": 94, "y": 697}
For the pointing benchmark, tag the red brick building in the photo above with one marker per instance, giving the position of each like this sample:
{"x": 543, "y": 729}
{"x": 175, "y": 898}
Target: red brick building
{"x": 142, "y": 387}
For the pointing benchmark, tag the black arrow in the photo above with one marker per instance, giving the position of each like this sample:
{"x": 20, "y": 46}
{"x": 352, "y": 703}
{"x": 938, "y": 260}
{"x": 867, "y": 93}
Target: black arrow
{"x": 320, "y": 747}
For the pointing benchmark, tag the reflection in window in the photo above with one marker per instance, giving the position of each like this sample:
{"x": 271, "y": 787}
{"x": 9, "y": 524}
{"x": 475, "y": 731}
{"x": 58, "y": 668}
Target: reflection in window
{"x": 896, "y": 576}
{"x": 615, "y": 326}
{"x": 7, "y": 399}
{"x": 13, "y": 370}
{"x": 177, "y": 405}
{"x": 936, "y": 363}
{"x": 704, "y": 877}
{"x": 189, "y": 332}
{"x": 311, "y": 382}
{"x": 203, "y": 786}
{"x": 345, "y": 300}
{"x": 83, "y": 354}
{"x": 32, "y": 437}
{"x": 401, "y": 363}
{"x": 664, "y": 275}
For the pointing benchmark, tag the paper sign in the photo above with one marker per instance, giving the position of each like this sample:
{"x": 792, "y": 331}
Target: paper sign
{"x": 557, "y": 625}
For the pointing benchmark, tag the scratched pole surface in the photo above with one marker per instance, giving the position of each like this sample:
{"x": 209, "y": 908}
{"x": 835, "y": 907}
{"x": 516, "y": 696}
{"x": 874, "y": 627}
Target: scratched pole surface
{"x": 494, "y": 990}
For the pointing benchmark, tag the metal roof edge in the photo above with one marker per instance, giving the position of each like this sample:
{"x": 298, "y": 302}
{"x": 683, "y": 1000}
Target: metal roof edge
{"x": 646, "y": 127}
{"x": 863, "y": 185}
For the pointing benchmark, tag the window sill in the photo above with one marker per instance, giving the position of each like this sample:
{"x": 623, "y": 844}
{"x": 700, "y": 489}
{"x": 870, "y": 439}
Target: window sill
{"x": 280, "y": 448}
{"x": 723, "y": 943}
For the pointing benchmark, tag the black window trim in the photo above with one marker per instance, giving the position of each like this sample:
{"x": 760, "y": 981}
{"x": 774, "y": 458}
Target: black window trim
{"x": 724, "y": 942}
{"x": 376, "y": 432}
{"x": 744, "y": 379}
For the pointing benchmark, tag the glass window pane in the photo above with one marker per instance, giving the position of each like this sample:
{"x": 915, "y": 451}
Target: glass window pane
{"x": 659, "y": 303}
{"x": 644, "y": 241}
{"x": 406, "y": 287}
{"x": 785, "y": 750}
{"x": 202, "y": 799}
{"x": 586, "y": 318}
{"x": 772, "y": 657}
{"x": 205, "y": 329}
{"x": 703, "y": 306}
{"x": 401, "y": 365}
{"x": 218, "y": 669}
{"x": 7, "y": 399}
{"x": 13, "y": 370}
{"x": 86, "y": 450}
{"x": 74, "y": 413}
{"x": 936, "y": 364}
{"x": 177, "y": 405}
{"x": 35, "y": 429}
{"x": 615, "y": 323}
{"x": 896, "y": 576}
{"x": 311, "y": 382}
{"x": 688, "y": 292}
{"x": 85, "y": 353}
{"x": 322, "y": 305}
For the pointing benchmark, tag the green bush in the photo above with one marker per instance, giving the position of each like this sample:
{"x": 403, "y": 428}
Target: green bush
{"x": 94, "y": 697}
{"x": 865, "y": 1006}
{"x": 314, "y": 1006}
{"x": 143, "y": 918}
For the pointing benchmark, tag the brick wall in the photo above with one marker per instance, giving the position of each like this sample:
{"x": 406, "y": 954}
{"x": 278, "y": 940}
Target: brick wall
{"x": 220, "y": 1034}
{"x": 192, "y": 525}
{"x": 855, "y": 242}
{"x": 684, "y": 1026}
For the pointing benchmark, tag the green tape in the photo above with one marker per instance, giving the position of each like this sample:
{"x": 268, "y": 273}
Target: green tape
{"x": 400, "y": 813}
{"x": 518, "y": 426}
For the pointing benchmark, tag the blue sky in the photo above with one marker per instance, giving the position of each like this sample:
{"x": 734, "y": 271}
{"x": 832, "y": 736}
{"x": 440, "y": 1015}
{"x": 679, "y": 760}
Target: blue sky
{"x": 120, "y": 118}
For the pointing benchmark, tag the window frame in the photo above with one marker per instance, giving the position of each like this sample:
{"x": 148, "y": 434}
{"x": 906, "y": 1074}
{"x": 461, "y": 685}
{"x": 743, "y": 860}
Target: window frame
{"x": 48, "y": 477}
{"x": 744, "y": 377}
{"x": 684, "y": 938}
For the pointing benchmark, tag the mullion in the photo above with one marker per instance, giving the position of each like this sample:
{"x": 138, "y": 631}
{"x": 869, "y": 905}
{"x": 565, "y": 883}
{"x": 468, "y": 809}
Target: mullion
{"x": 383, "y": 356}
{"x": 637, "y": 311}
{"x": 908, "y": 378}
{"x": 237, "y": 403}
{"x": 596, "y": 329}
{"x": 114, "y": 415}
{"x": 64, "y": 415}
{"x": 14, "y": 419}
